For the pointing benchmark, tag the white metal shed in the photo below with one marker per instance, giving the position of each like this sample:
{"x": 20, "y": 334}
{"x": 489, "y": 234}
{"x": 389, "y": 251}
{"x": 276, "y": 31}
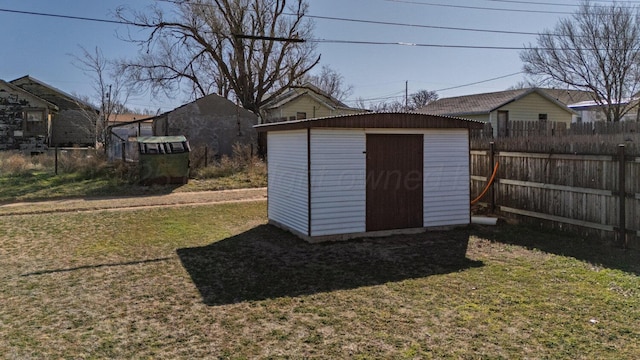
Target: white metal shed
{"x": 369, "y": 174}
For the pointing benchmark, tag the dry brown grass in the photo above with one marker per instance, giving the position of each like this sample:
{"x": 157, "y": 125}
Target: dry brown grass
{"x": 244, "y": 160}
{"x": 215, "y": 282}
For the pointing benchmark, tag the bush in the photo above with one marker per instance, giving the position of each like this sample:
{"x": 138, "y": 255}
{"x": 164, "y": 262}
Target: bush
{"x": 16, "y": 164}
{"x": 243, "y": 160}
{"x": 87, "y": 163}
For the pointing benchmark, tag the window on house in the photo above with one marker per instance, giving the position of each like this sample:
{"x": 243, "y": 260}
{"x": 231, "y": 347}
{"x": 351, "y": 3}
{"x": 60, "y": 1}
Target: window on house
{"x": 35, "y": 121}
{"x": 301, "y": 115}
{"x": 542, "y": 117}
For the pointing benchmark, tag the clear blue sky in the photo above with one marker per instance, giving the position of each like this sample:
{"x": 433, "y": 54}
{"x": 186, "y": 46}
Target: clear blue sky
{"x": 40, "y": 46}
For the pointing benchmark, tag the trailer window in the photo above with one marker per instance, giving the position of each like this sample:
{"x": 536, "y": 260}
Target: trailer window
{"x": 177, "y": 147}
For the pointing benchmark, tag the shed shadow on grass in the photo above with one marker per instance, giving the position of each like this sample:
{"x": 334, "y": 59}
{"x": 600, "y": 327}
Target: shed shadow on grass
{"x": 555, "y": 242}
{"x": 266, "y": 262}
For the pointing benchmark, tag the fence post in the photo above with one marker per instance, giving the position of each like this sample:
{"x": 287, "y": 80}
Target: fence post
{"x": 206, "y": 156}
{"x": 55, "y": 161}
{"x": 124, "y": 151}
{"x": 492, "y": 163}
{"x": 622, "y": 193}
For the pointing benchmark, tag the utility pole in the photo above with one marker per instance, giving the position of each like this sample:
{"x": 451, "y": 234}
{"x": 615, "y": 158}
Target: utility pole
{"x": 406, "y": 95}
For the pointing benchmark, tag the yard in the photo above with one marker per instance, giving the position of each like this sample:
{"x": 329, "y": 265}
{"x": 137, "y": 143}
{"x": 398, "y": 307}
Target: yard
{"x": 216, "y": 281}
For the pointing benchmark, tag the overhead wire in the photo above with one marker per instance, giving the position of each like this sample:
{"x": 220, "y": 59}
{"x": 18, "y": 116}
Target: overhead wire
{"x": 83, "y": 18}
{"x": 481, "y": 81}
{"x": 565, "y": 5}
{"x": 69, "y": 17}
{"x": 424, "y": 3}
{"x": 532, "y": 11}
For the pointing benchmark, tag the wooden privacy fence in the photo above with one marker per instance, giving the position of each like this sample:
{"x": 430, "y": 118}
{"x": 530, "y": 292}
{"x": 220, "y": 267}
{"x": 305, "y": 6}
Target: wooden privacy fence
{"x": 559, "y": 129}
{"x": 591, "y": 194}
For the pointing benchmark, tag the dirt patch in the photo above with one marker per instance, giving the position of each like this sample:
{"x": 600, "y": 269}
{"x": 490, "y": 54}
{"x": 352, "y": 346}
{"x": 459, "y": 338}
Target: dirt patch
{"x": 133, "y": 202}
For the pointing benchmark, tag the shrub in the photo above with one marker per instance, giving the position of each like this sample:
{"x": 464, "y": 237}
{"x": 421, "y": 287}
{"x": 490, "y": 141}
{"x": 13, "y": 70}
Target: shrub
{"x": 243, "y": 160}
{"x": 13, "y": 163}
{"x": 87, "y": 163}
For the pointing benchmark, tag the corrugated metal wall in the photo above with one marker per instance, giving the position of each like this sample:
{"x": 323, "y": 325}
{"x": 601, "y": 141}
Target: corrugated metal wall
{"x": 338, "y": 181}
{"x": 446, "y": 177}
{"x": 288, "y": 179}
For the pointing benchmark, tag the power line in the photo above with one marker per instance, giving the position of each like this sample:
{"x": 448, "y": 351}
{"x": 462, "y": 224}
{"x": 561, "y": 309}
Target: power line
{"x": 424, "y": 3}
{"x": 567, "y": 5}
{"x": 443, "y": 89}
{"x": 480, "y": 82}
{"x": 419, "y": 25}
{"x": 480, "y": 7}
{"x": 329, "y": 40}
{"x": 532, "y": 3}
{"x": 448, "y": 46}
{"x": 69, "y": 17}
{"x": 309, "y": 16}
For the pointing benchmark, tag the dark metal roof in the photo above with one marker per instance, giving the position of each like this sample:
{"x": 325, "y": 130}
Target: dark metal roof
{"x": 391, "y": 120}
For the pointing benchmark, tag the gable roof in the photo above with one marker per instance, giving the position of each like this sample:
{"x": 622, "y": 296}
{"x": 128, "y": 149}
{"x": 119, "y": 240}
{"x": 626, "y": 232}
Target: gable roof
{"x": 53, "y": 95}
{"x": 27, "y": 94}
{"x": 296, "y": 91}
{"x": 569, "y": 97}
{"x": 485, "y": 103}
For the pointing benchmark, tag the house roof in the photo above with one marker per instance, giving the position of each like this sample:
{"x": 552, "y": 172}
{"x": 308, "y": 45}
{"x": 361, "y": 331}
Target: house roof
{"x": 53, "y": 95}
{"x": 484, "y": 103}
{"x": 128, "y": 117}
{"x": 27, "y": 94}
{"x": 294, "y": 92}
{"x": 569, "y": 97}
{"x": 390, "y": 120}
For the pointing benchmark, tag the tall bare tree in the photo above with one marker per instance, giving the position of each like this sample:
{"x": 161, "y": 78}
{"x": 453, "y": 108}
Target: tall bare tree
{"x": 111, "y": 92}
{"x": 597, "y": 50}
{"x": 331, "y": 82}
{"x": 250, "y": 49}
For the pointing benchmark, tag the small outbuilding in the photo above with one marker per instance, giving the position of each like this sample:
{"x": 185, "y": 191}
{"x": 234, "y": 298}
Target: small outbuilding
{"x": 370, "y": 174}
{"x": 163, "y": 159}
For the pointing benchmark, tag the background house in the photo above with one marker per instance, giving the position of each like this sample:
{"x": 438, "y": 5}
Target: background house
{"x": 25, "y": 118}
{"x": 589, "y": 111}
{"x": 212, "y": 122}
{"x": 368, "y": 174}
{"x": 304, "y": 102}
{"x": 75, "y": 121}
{"x": 501, "y": 108}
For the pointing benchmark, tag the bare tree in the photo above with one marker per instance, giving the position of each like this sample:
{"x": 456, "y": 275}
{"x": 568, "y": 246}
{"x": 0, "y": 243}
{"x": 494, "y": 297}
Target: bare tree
{"x": 331, "y": 82}
{"x": 421, "y": 98}
{"x": 388, "y": 106}
{"x": 596, "y": 50}
{"x": 250, "y": 49}
{"x": 524, "y": 84}
{"x": 109, "y": 87}
{"x": 413, "y": 102}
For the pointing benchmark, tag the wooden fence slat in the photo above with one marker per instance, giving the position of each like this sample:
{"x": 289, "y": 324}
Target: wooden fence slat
{"x": 555, "y": 156}
{"x": 557, "y": 219}
{"x": 556, "y": 187}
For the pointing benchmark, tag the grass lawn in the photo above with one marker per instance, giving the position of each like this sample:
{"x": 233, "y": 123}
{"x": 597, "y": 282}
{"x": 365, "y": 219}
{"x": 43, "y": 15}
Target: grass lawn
{"x": 39, "y": 185}
{"x": 216, "y": 282}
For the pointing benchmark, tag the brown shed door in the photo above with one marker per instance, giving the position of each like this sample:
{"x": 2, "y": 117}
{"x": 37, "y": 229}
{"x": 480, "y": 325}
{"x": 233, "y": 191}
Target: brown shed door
{"x": 394, "y": 181}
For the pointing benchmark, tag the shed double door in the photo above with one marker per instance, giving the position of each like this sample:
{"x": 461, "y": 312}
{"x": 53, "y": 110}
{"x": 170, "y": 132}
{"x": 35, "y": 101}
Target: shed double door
{"x": 394, "y": 181}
